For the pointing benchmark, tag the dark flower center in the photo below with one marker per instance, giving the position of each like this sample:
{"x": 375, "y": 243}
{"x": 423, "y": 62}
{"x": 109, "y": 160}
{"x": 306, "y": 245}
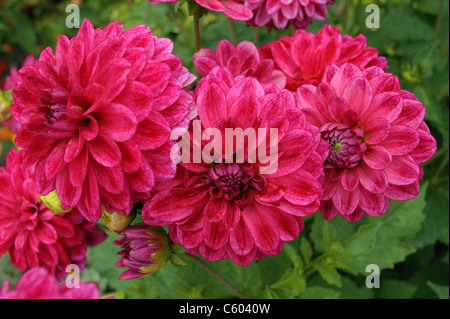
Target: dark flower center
{"x": 235, "y": 182}
{"x": 346, "y": 145}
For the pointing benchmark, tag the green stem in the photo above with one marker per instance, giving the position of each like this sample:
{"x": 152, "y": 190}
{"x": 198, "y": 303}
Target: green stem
{"x": 214, "y": 273}
{"x": 438, "y": 20}
{"x": 233, "y": 33}
{"x": 197, "y": 31}
{"x": 256, "y": 34}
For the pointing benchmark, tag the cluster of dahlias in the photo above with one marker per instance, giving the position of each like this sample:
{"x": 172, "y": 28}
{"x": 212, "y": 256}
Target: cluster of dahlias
{"x": 102, "y": 120}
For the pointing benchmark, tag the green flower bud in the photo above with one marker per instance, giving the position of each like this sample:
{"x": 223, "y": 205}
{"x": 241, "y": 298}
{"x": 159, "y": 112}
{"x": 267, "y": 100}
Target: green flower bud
{"x": 52, "y": 201}
{"x": 115, "y": 221}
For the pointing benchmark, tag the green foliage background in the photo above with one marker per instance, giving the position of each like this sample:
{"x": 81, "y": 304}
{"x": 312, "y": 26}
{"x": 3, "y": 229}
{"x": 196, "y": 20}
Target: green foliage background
{"x": 410, "y": 243}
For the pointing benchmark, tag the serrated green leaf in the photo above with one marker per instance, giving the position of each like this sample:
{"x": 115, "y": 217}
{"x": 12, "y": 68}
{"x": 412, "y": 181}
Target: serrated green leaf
{"x": 441, "y": 291}
{"x": 329, "y": 274}
{"x": 394, "y": 231}
{"x": 291, "y": 284}
{"x": 306, "y": 249}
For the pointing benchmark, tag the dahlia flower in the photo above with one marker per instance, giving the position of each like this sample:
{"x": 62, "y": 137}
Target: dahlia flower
{"x": 377, "y": 139}
{"x": 97, "y": 116}
{"x": 11, "y": 83}
{"x": 243, "y": 210}
{"x": 234, "y": 9}
{"x": 304, "y": 57}
{"x": 145, "y": 250}
{"x": 37, "y": 283}
{"x": 244, "y": 59}
{"x": 281, "y": 13}
{"x": 31, "y": 233}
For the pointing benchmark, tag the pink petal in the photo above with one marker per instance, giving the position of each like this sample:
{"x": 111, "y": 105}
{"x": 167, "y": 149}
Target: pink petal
{"x": 402, "y": 171}
{"x": 374, "y": 181}
{"x": 376, "y": 130}
{"x": 377, "y": 157}
{"x": 345, "y": 201}
{"x": 401, "y": 140}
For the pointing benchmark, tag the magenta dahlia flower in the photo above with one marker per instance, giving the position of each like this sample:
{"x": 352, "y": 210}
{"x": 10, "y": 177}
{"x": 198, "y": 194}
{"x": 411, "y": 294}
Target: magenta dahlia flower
{"x": 145, "y": 250}
{"x": 97, "y": 116}
{"x": 234, "y": 9}
{"x": 281, "y": 13}
{"x": 377, "y": 139}
{"x": 240, "y": 210}
{"x": 31, "y": 233}
{"x": 304, "y": 57}
{"x": 243, "y": 59}
{"x": 11, "y": 83}
{"x": 37, "y": 283}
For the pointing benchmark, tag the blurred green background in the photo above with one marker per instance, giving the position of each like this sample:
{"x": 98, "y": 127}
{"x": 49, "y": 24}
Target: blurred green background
{"x": 410, "y": 243}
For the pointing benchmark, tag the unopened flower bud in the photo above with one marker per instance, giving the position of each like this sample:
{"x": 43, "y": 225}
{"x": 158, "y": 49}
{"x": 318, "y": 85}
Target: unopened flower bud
{"x": 52, "y": 201}
{"x": 145, "y": 250}
{"x": 115, "y": 221}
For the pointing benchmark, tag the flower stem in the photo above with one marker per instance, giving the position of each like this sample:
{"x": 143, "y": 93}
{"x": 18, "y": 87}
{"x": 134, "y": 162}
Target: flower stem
{"x": 197, "y": 31}
{"x": 214, "y": 273}
{"x": 256, "y": 34}
{"x": 438, "y": 20}
{"x": 233, "y": 32}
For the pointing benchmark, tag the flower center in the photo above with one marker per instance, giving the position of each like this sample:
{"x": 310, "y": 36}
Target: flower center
{"x": 346, "y": 145}
{"x": 235, "y": 182}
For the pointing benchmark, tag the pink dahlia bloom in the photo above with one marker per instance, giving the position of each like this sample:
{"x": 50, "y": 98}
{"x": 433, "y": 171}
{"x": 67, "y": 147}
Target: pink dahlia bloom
{"x": 31, "y": 233}
{"x": 234, "y": 9}
{"x": 97, "y": 116}
{"x": 304, "y": 57}
{"x": 377, "y": 140}
{"x": 11, "y": 83}
{"x": 281, "y": 13}
{"x": 37, "y": 283}
{"x": 145, "y": 250}
{"x": 234, "y": 210}
{"x": 243, "y": 59}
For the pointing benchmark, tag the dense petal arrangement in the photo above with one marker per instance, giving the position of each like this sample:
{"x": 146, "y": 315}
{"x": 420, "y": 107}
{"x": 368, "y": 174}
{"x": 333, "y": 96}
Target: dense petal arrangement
{"x": 37, "y": 283}
{"x": 281, "y": 13}
{"x": 242, "y": 59}
{"x": 377, "y": 139}
{"x": 31, "y": 233}
{"x": 233, "y": 210}
{"x": 11, "y": 83}
{"x": 145, "y": 250}
{"x": 234, "y": 9}
{"x": 97, "y": 114}
{"x": 304, "y": 57}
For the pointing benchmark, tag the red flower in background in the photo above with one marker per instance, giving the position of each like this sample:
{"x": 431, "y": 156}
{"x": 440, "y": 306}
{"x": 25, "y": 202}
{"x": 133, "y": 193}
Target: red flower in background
{"x": 31, "y": 233}
{"x": 97, "y": 116}
{"x": 234, "y": 9}
{"x": 377, "y": 139}
{"x": 242, "y": 59}
{"x": 11, "y": 83}
{"x": 304, "y": 57}
{"x": 232, "y": 210}
{"x": 37, "y": 283}
{"x": 281, "y": 13}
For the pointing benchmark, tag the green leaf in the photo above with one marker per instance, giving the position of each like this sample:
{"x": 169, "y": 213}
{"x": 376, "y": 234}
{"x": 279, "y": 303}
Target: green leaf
{"x": 396, "y": 289}
{"x": 318, "y": 292}
{"x": 329, "y": 274}
{"x": 394, "y": 230}
{"x": 441, "y": 291}
{"x": 350, "y": 289}
{"x": 436, "y": 219}
{"x": 291, "y": 284}
{"x": 306, "y": 249}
